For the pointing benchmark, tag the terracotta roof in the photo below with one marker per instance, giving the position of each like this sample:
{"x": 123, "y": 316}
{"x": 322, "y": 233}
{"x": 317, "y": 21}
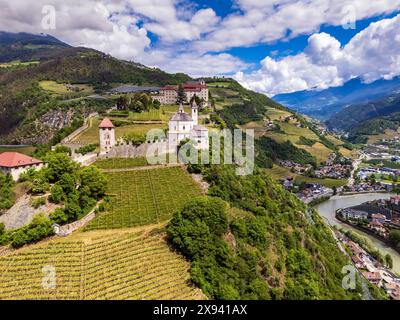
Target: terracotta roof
{"x": 15, "y": 159}
{"x": 376, "y": 224}
{"x": 106, "y": 123}
{"x": 378, "y": 216}
{"x": 372, "y": 275}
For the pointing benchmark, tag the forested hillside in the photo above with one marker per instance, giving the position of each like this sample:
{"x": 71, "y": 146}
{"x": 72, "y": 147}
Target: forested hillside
{"x": 252, "y": 240}
{"x": 22, "y": 96}
{"x": 368, "y": 119}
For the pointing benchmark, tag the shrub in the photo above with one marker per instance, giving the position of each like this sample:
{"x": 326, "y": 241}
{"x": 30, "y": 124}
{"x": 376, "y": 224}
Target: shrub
{"x": 40, "y": 228}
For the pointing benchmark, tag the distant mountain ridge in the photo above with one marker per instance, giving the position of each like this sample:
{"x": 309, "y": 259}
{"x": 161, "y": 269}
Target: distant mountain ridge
{"x": 324, "y": 104}
{"x": 27, "y": 47}
{"x": 21, "y": 97}
{"x": 363, "y": 120}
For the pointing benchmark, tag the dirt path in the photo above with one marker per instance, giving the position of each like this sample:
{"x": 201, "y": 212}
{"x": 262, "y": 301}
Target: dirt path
{"x": 21, "y": 213}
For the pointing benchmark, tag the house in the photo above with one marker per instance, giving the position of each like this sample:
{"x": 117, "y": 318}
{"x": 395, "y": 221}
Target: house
{"x": 373, "y": 277}
{"x": 393, "y": 289}
{"x": 377, "y": 226}
{"x": 15, "y": 164}
{"x": 184, "y": 126}
{"x": 358, "y": 262}
{"x": 169, "y": 93}
{"x": 350, "y": 213}
{"x": 377, "y": 217}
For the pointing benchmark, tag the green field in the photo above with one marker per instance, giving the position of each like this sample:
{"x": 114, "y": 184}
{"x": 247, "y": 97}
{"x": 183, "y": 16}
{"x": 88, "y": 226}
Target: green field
{"x": 61, "y": 88}
{"x": 275, "y": 114}
{"x": 278, "y": 172}
{"x": 17, "y": 63}
{"x": 293, "y": 134}
{"x": 121, "y": 163}
{"x": 144, "y": 197}
{"x": 108, "y": 265}
{"x": 25, "y": 150}
{"x": 91, "y": 135}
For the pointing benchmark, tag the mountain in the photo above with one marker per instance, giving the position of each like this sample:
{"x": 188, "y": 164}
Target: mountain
{"x": 363, "y": 120}
{"x": 325, "y": 103}
{"x": 25, "y": 99}
{"x": 28, "y": 47}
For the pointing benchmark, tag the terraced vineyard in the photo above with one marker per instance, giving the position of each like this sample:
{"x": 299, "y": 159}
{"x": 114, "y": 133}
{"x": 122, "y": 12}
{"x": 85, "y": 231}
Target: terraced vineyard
{"x": 144, "y": 197}
{"x": 123, "y": 264}
{"x": 121, "y": 163}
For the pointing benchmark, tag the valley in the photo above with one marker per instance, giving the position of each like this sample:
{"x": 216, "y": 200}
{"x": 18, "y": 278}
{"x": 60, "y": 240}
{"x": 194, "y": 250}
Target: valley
{"x": 164, "y": 231}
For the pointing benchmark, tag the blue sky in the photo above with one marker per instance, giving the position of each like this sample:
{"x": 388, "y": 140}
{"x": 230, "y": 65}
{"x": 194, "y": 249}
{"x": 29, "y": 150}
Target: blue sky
{"x": 272, "y": 46}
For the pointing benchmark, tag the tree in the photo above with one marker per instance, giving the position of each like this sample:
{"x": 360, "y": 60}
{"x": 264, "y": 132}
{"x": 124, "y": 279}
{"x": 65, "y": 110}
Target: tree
{"x": 389, "y": 261}
{"x": 67, "y": 183}
{"x": 181, "y": 95}
{"x": 395, "y": 237}
{"x": 39, "y": 184}
{"x": 63, "y": 149}
{"x": 6, "y": 192}
{"x": 96, "y": 182}
{"x": 57, "y": 193}
{"x": 156, "y": 104}
{"x": 196, "y": 99}
{"x": 122, "y": 103}
{"x": 57, "y": 165}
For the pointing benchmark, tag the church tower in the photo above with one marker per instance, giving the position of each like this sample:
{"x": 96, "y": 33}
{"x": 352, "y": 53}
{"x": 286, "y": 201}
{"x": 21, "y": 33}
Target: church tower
{"x": 195, "y": 113}
{"x": 107, "y": 136}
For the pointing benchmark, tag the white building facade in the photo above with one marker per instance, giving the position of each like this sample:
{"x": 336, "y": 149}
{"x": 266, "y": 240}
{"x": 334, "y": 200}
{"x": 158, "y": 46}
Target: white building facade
{"x": 169, "y": 94}
{"x": 183, "y": 126}
{"x": 107, "y": 136}
{"x": 15, "y": 164}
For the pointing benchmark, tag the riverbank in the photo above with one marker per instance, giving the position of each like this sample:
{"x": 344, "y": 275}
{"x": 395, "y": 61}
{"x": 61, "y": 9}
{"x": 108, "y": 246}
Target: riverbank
{"x": 368, "y": 231}
{"x": 328, "y": 209}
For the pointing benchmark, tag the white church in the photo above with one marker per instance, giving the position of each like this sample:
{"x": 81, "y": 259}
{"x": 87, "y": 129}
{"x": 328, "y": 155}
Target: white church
{"x": 183, "y": 126}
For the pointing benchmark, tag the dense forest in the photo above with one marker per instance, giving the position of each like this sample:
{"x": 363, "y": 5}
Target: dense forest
{"x": 250, "y": 239}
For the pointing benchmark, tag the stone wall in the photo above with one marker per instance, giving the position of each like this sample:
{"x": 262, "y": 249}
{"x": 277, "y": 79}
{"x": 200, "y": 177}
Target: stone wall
{"x": 127, "y": 150}
{"x": 67, "y": 229}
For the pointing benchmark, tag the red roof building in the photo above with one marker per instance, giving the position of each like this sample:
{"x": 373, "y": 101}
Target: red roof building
{"x": 15, "y": 164}
{"x": 15, "y": 159}
{"x": 106, "y": 124}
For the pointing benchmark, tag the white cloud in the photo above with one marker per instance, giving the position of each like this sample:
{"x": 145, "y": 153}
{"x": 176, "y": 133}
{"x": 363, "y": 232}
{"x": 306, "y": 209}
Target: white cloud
{"x": 270, "y": 20}
{"x": 372, "y": 54}
{"x": 193, "y": 39}
{"x": 194, "y": 64}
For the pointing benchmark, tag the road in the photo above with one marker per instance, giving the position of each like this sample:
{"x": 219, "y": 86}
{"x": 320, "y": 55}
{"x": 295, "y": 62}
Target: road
{"x": 356, "y": 164}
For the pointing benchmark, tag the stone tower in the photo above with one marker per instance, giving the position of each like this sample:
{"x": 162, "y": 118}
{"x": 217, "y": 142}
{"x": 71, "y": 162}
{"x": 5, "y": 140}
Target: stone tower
{"x": 107, "y": 136}
{"x": 195, "y": 113}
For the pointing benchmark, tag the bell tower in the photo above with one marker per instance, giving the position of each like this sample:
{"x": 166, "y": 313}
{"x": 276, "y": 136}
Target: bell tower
{"x": 107, "y": 136}
{"x": 195, "y": 113}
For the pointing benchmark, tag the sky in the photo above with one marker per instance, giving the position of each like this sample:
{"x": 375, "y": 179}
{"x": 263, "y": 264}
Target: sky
{"x": 270, "y": 46}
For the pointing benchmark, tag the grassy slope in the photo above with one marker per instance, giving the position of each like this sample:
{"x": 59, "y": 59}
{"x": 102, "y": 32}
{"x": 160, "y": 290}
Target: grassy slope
{"x": 225, "y": 97}
{"x": 91, "y": 135}
{"x": 123, "y": 264}
{"x": 21, "y": 96}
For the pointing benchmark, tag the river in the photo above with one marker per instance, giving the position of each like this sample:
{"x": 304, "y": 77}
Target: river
{"x": 327, "y": 210}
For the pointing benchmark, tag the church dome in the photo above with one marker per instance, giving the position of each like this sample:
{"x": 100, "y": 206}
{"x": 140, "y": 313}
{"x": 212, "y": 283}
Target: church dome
{"x": 181, "y": 117}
